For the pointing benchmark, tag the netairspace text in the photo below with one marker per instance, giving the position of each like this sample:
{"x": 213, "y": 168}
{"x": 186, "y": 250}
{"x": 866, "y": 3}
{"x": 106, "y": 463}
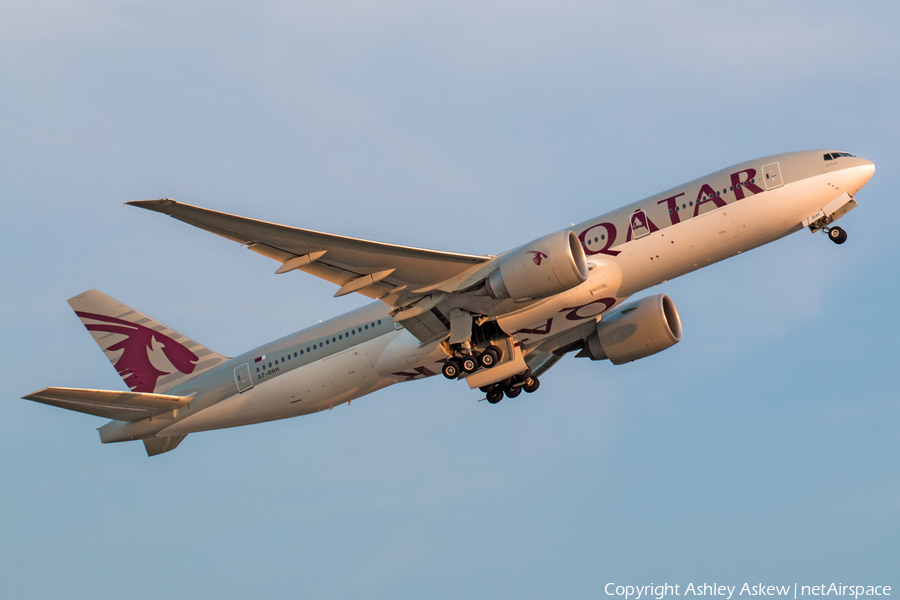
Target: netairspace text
{"x": 795, "y": 590}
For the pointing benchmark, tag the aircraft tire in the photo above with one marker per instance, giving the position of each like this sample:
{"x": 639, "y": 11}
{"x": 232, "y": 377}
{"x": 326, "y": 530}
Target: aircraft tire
{"x": 512, "y": 392}
{"x": 487, "y": 359}
{"x": 495, "y": 396}
{"x": 531, "y": 385}
{"x": 468, "y": 363}
{"x": 451, "y": 369}
{"x": 837, "y": 235}
{"x": 497, "y": 351}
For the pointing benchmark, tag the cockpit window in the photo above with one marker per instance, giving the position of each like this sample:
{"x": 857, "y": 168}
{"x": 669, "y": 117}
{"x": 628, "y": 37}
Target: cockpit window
{"x": 836, "y": 155}
{"x": 827, "y": 157}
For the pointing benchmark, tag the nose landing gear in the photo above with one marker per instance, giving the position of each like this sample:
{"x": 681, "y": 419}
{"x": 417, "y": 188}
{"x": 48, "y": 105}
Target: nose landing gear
{"x": 836, "y": 235}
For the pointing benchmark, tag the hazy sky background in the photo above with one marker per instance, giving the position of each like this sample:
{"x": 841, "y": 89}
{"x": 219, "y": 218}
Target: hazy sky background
{"x": 762, "y": 448}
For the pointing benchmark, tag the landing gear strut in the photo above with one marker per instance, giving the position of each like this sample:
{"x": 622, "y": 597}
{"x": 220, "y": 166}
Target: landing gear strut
{"x": 837, "y": 235}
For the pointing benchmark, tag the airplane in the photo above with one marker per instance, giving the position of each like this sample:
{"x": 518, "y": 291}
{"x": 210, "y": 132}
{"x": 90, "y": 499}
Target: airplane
{"x": 496, "y": 323}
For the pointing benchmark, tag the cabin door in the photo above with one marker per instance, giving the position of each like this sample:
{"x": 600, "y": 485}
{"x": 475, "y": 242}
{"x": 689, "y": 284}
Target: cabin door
{"x": 772, "y": 175}
{"x": 242, "y": 377}
{"x": 639, "y": 224}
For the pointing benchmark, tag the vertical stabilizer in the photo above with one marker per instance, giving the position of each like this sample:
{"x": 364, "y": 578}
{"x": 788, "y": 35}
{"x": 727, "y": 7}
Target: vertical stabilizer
{"x": 149, "y": 356}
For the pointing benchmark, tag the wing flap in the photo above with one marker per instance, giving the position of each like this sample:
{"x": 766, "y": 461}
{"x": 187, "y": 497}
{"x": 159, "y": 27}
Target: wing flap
{"x": 120, "y": 406}
{"x": 344, "y": 258}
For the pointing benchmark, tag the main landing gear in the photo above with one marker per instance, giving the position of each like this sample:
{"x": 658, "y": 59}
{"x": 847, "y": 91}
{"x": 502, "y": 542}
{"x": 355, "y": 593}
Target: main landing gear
{"x": 512, "y": 387}
{"x": 470, "y": 363}
{"x": 469, "y": 360}
{"x": 836, "y": 234}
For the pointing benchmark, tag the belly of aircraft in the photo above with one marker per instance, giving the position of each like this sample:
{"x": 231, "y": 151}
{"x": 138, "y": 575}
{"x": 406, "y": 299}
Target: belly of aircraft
{"x": 318, "y": 386}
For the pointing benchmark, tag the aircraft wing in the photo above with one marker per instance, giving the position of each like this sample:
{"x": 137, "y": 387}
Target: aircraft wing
{"x": 121, "y": 406}
{"x": 373, "y": 269}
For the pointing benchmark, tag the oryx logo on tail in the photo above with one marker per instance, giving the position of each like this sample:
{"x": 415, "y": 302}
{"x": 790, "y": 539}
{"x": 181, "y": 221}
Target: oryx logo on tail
{"x": 140, "y": 364}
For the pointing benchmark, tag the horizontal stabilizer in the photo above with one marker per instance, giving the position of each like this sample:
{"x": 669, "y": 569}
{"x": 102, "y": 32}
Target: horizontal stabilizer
{"x": 121, "y": 406}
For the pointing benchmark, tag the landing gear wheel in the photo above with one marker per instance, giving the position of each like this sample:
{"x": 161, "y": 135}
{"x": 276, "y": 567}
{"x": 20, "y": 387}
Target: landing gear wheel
{"x": 495, "y": 396}
{"x": 496, "y": 351}
{"x": 487, "y": 389}
{"x": 837, "y": 235}
{"x": 487, "y": 359}
{"x": 451, "y": 369}
{"x": 512, "y": 392}
{"x": 531, "y": 384}
{"x": 468, "y": 363}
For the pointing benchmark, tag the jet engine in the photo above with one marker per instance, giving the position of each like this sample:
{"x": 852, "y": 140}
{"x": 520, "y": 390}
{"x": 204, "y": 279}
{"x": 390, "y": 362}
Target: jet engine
{"x": 635, "y": 330}
{"x": 548, "y": 265}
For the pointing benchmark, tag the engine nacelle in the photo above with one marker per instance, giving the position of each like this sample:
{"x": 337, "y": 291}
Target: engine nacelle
{"x": 635, "y": 330}
{"x": 548, "y": 265}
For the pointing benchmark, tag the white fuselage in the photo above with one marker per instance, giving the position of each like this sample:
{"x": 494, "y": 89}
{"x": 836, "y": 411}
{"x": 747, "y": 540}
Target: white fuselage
{"x": 683, "y": 229}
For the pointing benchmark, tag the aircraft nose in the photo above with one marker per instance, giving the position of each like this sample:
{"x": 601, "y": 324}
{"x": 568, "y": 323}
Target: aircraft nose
{"x": 866, "y": 170}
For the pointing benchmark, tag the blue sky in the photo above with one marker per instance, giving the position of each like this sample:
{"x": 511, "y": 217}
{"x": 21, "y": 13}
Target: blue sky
{"x": 763, "y": 447}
